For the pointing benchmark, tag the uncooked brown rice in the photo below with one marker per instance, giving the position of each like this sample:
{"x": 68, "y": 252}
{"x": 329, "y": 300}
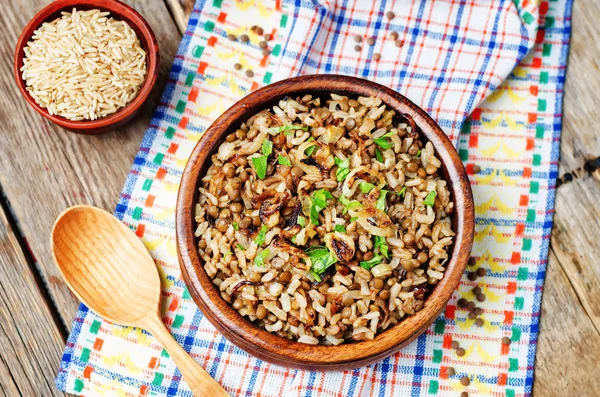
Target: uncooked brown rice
{"x": 325, "y": 220}
{"x": 84, "y": 65}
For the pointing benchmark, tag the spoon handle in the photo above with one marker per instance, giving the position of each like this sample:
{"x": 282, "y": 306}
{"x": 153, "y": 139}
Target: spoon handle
{"x": 201, "y": 383}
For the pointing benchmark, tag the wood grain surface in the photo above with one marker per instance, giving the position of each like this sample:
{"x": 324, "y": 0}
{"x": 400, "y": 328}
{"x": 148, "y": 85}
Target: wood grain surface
{"x": 30, "y": 340}
{"x": 43, "y": 170}
{"x": 46, "y": 169}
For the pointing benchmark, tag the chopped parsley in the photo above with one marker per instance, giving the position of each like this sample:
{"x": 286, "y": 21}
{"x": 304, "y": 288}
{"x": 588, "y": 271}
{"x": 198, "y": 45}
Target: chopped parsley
{"x": 368, "y": 265}
{"x": 383, "y": 247}
{"x": 260, "y": 162}
{"x": 318, "y": 204}
{"x": 430, "y": 199}
{"x": 284, "y": 161}
{"x": 418, "y": 153}
{"x": 259, "y": 260}
{"x": 366, "y": 187}
{"x": 378, "y": 155}
{"x": 348, "y": 205}
{"x": 310, "y": 150}
{"x": 321, "y": 258}
{"x": 380, "y": 205}
{"x": 383, "y": 142}
{"x": 402, "y": 192}
{"x": 301, "y": 221}
{"x": 241, "y": 247}
{"x": 343, "y": 169}
{"x": 236, "y": 226}
{"x": 288, "y": 129}
{"x": 340, "y": 228}
{"x": 260, "y": 237}
{"x": 353, "y": 219}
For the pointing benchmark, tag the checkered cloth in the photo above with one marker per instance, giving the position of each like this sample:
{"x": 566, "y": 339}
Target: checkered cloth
{"x": 451, "y": 56}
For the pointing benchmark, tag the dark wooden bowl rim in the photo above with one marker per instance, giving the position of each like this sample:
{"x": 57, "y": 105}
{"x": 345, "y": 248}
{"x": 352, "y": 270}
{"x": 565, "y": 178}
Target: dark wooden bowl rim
{"x": 270, "y": 347}
{"x": 118, "y": 10}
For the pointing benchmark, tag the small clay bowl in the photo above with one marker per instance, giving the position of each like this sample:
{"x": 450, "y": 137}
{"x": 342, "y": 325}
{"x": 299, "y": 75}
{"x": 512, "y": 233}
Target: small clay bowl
{"x": 270, "y": 347}
{"x": 118, "y": 11}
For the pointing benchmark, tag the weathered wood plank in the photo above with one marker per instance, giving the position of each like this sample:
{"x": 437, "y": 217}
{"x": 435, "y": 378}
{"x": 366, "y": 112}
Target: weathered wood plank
{"x": 575, "y": 241}
{"x": 580, "y": 140}
{"x": 31, "y": 343}
{"x": 46, "y": 169}
{"x": 568, "y": 345}
{"x": 181, "y": 11}
{"x": 576, "y": 230}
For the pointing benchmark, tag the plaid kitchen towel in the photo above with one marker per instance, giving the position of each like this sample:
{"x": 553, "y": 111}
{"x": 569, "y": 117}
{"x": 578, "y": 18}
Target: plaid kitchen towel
{"x": 490, "y": 72}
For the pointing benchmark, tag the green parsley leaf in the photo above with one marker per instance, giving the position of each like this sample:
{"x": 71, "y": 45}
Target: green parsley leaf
{"x": 378, "y": 155}
{"x": 366, "y": 187}
{"x": 267, "y": 147}
{"x": 288, "y": 129}
{"x": 430, "y": 199}
{"x": 310, "y": 150}
{"x": 301, "y": 221}
{"x": 353, "y": 219}
{"x": 241, "y": 247}
{"x": 260, "y": 237}
{"x": 383, "y": 247}
{"x": 340, "y": 228}
{"x": 383, "y": 142}
{"x": 348, "y": 205}
{"x": 368, "y": 265}
{"x": 260, "y": 165}
{"x": 319, "y": 202}
{"x": 259, "y": 260}
{"x": 380, "y": 205}
{"x": 236, "y": 226}
{"x": 320, "y": 257}
{"x": 284, "y": 161}
{"x": 343, "y": 169}
{"x": 316, "y": 276}
{"x": 402, "y": 192}
{"x": 418, "y": 153}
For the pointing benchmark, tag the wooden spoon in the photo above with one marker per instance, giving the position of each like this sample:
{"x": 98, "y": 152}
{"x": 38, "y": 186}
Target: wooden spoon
{"x": 110, "y": 270}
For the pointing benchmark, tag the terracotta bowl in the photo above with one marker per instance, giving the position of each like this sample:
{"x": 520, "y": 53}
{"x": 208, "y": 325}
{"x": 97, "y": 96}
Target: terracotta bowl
{"x": 270, "y": 347}
{"x": 118, "y": 11}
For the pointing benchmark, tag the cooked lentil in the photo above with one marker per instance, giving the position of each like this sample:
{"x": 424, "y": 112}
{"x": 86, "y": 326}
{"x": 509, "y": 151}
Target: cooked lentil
{"x": 357, "y": 48}
{"x": 249, "y": 73}
{"x": 371, "y": 40}
{"x": 358, "y": 39}
{"x": 376, "y": 247}
{"x": 465, "y": 381}
{"x": 460, "y": 352}
{"x": 390, "y": 15}
{"x": 506, "y": 340}
{"x": 481, "y": 272}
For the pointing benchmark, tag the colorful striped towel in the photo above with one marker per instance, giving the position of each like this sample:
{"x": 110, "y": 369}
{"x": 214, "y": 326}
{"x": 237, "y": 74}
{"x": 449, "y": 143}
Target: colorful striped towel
{"x": 448, "y": 57}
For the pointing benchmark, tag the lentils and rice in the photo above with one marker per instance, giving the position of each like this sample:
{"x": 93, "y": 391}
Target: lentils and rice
{"x": 84, "y": 65}
{"x": 325, "y": 221}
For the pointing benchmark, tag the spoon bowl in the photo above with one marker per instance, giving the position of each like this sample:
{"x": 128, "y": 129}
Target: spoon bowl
{"x": 108, "y": 267}
{"x": 121, "y": 284}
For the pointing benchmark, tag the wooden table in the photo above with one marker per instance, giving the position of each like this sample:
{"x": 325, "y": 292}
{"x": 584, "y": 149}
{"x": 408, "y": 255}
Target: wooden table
{"x": 45, "y": 170}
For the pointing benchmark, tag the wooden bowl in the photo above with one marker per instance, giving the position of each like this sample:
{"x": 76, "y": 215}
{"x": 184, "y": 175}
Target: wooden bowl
{"x": 118, "y": 11}
{"x": 270, "y": 347}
